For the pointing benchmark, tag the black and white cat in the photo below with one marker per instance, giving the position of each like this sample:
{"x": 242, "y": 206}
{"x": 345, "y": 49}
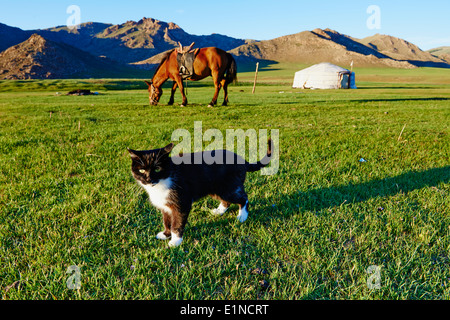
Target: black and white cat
{"x": 173, "y": 185}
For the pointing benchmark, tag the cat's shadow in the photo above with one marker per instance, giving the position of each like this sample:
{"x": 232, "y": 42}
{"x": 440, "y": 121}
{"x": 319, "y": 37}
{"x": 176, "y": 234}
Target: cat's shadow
{"x": 316, "y": 200}
{"x": 202, "y": 222}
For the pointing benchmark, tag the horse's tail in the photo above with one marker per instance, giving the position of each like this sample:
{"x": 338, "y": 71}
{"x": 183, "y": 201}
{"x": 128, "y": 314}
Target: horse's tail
{"x": 231, "y": 72}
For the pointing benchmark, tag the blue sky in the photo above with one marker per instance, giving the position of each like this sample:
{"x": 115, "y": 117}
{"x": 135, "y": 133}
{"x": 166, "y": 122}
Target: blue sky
{"x": 425, "y": 23}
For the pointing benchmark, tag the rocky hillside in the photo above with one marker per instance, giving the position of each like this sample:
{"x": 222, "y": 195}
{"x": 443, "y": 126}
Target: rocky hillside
{"x": 154, "y": 34}
{"x": 38, "y": 58}
{"x": 442, "y": 53}
{"x": 133, "y": 41}
{"x": 319, "y": 46}
{"x": 400, "y": 49}
{"x": 10, "y": 36}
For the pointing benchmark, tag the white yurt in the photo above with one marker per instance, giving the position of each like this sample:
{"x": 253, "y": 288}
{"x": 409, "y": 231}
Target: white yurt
{"x": 324, "y": 76}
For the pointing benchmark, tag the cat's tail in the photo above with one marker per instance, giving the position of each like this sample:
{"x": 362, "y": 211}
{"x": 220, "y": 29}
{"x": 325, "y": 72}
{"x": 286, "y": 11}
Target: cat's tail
{"x": 264, "y": 162}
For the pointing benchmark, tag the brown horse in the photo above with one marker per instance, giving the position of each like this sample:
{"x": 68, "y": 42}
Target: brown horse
{"x": 208, "y": 62}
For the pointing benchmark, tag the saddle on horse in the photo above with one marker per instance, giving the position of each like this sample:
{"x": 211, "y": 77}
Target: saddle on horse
{"x": 185, "y": 59}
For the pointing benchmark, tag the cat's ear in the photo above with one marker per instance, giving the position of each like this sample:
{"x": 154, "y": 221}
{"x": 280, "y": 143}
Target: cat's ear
{"x": 168, "y": 148}
{"x": 133, "y": 154}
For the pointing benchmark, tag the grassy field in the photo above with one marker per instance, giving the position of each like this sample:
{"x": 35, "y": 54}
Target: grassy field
{"x": 67, "y": 197}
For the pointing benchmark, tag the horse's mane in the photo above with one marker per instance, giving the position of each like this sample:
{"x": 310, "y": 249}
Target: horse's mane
{"x": 164, "y": 58}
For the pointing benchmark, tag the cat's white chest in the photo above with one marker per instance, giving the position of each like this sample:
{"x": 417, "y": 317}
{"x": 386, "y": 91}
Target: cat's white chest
{"x": 159, "y": 194}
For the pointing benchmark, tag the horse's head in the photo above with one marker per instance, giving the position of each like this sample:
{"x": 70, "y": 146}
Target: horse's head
{"x": 154, "y": 93}
{"x": 184, "y": 50}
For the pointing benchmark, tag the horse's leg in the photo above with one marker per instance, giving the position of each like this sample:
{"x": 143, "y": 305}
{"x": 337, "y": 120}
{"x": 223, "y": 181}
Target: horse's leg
{"x": 225, "y": 92}
{"x": 179, "y": 82}
{"x": 172, "y": 93}
{"x": 217, "y": 85}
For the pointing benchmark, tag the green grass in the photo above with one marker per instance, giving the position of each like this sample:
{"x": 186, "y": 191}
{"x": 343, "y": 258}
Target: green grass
{"x": 67, "y": 196}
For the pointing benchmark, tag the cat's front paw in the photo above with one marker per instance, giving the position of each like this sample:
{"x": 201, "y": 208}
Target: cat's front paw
{"x": 243, "y": 213}
{"x": 162, "y": 236}
{"x": 242, "y": 217}
{"x": 219, "y": 210}
{"x": 175, "y": 241}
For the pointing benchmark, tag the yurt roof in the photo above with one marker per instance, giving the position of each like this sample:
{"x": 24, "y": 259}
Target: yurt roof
{"x": 325, "y": 67}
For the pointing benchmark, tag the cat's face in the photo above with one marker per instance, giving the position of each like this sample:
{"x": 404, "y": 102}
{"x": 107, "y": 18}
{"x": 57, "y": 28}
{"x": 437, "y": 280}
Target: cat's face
{"x": 150, "y": 167}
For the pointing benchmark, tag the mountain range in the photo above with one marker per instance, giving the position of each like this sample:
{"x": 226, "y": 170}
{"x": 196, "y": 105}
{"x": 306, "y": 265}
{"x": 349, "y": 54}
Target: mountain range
{"x": 128, "y": 49}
